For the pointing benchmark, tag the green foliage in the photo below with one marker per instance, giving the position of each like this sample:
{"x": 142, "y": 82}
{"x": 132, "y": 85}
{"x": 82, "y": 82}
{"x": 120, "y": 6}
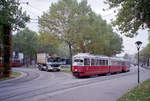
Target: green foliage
{"x": 50, "y": 44}
{"x": 57, "y": 20}
{"x": 11, "y": 14}
{"x": 63, "y": 50}
{"x": 96, "y": 36}
{"x": 30, "y": 43}
{"x": 132, "y": 15}
{"x": 26, "y": 41}
{"x": 11, "y": 18}
{"x": 144, "y": 54}
{"x": 77, "y": 25}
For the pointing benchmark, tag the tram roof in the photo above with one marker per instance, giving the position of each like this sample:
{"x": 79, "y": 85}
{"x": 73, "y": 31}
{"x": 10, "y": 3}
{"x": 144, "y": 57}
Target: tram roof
{"x": 119, "y": 59}
{"x": 88, "y": 55}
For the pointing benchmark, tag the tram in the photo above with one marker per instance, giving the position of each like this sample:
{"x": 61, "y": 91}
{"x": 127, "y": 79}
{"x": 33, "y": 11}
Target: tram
{"x": 85, "y": 64}
{"x": 14, "y": 63}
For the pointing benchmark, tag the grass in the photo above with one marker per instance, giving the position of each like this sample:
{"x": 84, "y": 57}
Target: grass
{"x": 148, "y": 67}
{"x": 66, "y": 69}
{"x": 12, "y": 75}
{"x": 139, "y": 93}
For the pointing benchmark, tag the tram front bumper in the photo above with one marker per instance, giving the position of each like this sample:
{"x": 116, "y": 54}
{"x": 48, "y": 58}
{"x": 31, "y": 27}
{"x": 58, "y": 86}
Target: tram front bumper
{"x": 78, "y": 73}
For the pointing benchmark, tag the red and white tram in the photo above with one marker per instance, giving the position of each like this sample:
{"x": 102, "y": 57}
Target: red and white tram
{"x": 85, "y": 64}
{"x": 14, "y": 63}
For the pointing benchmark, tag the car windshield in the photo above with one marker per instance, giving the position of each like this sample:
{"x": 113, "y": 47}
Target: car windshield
{"x": 54, "y": 59}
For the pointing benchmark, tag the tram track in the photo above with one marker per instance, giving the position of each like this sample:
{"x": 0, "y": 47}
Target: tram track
{"x": 24, "y": 85}
{"x": 27, "y": 83}
{"x": 29, "y": 76}
{"x": 46, "y": 90}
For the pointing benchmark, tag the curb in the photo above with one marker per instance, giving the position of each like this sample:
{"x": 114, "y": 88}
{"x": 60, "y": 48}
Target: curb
{"x": 22, "y": 75}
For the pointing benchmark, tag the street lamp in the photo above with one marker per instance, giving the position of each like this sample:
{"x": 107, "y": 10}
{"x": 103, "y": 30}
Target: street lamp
{"x": 138, "y": 45}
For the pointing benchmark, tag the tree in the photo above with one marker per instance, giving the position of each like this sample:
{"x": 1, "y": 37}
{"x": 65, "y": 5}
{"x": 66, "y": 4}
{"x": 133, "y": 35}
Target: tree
{"x": 87, "y": 30}
{"x": 94, "y": 35}
{"x": 80, "y": 28}
{"x": 50, "y": 44}
{"x": 26, "y": 41}
{"x": 145, "y": 53}
{"x": 58, "y": 20}
{"x": 11, "y": 17}
{"x": 132, "y": 15}
{"x": 30, "y": 43}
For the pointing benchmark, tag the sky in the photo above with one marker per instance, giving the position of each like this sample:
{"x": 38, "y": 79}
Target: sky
{"x": 36, "y": 8}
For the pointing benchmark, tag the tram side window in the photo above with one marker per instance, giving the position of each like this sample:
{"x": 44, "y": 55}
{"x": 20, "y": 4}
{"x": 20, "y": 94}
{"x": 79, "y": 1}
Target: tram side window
{"x": 86, "y": 62}
{"x": 92, "y": 62}
{"x": 106, "y": 62}
{"x": 103, "y": 62}
{"x": 113, "y": 63}
{"x": 99, "y": 62}
{"x": 96, "y": 62}
{"x": 127, "y": 64}
{"x": 118, "y": 63}
{"x": 123, "y": 63}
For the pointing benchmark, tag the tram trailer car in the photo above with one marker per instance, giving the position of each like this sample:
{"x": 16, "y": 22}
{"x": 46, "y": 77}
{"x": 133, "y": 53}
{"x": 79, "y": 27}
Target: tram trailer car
{"x": 85, "y": 64}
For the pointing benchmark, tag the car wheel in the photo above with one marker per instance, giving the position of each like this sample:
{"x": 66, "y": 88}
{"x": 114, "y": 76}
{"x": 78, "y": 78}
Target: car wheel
{"x": 47, "y": 69}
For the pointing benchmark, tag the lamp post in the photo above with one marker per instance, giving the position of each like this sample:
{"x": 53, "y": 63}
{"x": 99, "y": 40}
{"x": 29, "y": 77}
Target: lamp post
{"x": 138, "y": 45}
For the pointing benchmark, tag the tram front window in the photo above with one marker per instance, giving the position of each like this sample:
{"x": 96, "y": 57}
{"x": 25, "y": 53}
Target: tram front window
{"x": 78, "y": 62}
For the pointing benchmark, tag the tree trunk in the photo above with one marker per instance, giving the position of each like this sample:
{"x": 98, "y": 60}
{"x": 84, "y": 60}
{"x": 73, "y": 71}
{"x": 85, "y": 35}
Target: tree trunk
{"x": 7, "y": 50}
{"x": 70, "y": 51}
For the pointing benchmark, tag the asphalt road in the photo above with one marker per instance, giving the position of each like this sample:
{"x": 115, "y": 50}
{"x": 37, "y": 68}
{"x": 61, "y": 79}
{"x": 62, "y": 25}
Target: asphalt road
{"x": 35, "y": 85}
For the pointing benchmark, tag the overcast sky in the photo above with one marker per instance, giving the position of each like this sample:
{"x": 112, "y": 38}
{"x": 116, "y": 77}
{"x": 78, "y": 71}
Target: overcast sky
{"x": 37, "y": 7}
